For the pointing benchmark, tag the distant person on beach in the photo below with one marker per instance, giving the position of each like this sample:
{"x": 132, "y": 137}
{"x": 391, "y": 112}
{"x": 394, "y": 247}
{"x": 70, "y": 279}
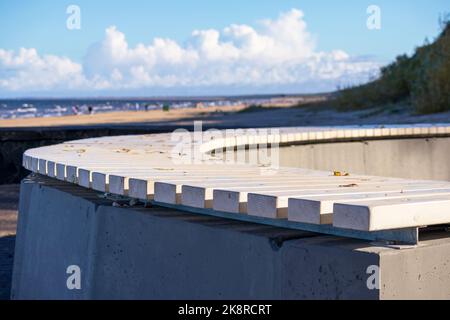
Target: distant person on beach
{"x": 90, "y": 109}
{"x": 75, "y": 110}
{"x": 146, "y": 107}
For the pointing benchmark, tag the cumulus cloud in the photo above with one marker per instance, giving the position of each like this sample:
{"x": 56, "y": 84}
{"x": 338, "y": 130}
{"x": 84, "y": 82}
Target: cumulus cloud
{"x": 279, "y": 54}
{"x": 26, "y": 69}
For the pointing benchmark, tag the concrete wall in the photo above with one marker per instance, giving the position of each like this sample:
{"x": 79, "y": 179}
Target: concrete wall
{"x": 405, "y": 158}
{"x": 155, "y": 253}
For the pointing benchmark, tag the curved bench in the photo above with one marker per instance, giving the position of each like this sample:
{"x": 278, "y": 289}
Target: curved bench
{"x": 199, "y": 172}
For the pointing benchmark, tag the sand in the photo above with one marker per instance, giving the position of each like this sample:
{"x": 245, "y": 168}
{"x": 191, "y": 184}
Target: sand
{"x": 118, "y": 117}
{"x": 9, "y": 199}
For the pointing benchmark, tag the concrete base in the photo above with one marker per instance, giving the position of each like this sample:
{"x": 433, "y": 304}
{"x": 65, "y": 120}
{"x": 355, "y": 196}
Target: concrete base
{"x": 155, "y": 253}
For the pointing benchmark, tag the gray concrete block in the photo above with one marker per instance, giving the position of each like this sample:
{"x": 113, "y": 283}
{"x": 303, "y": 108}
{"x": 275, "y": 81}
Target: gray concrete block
{"x": 156, "y": 253}
{"x": 417, "y": 273}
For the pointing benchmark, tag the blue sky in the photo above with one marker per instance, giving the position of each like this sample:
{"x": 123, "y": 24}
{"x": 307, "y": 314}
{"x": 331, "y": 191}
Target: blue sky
{"x": 332, "y": 25}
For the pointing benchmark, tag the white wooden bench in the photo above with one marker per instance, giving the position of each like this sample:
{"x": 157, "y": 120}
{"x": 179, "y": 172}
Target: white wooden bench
{"x": 146, "y": 167}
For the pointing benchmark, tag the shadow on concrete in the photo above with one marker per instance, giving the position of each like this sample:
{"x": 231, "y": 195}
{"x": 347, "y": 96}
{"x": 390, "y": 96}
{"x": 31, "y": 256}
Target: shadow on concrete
{"x": 6, "y": 265}
{"x": 9, "y": 199}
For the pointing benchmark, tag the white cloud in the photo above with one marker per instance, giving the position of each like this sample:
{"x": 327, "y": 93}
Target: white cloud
{"x": 279, "y": 54}
{"x": 27, "y": 70}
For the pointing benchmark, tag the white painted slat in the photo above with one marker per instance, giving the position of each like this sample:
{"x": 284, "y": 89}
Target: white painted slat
{"x": 392, "y": 214}
{"x": 35, "y": 165}
{"x": 42, "y": 166}
{"x": 84, "y": 178}
{"x": 61, "y": 171}
{"x": 139, "y": 188}
{"x": 275, "y": 204}
{"x": 319, "y": 209}
{"x": 204, "y": 188}
{"x": 51, "y": 169}
{"x": 207, "y": 191}
{"x": 72, "y": 174}
{"x": 100, "y": 181}
{"x": 209, "y": 184}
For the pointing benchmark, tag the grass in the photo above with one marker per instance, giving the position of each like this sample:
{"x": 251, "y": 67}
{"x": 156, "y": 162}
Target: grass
{"x": 423, "y": 80}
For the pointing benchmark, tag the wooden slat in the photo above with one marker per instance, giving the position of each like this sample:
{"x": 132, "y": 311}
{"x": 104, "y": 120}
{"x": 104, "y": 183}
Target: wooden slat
{"x": 143, "y": 188}
{"x": 319, "y": 209}
{"x": 275, "y": 204}
{"x": 392, "y": 214}
{"x": 204, "y": 189}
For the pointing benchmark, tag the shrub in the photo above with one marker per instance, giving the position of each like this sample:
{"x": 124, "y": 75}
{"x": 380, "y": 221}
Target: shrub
{"x": 424, "y": 79}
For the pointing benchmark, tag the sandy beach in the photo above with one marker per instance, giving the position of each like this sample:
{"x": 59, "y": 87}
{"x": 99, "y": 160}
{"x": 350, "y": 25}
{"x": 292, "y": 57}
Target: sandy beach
{"x": 118, "y": 117}
{"x": 235, "y": 116}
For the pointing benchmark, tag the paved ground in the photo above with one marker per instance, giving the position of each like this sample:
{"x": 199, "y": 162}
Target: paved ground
{"x": 9, "y": 198}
